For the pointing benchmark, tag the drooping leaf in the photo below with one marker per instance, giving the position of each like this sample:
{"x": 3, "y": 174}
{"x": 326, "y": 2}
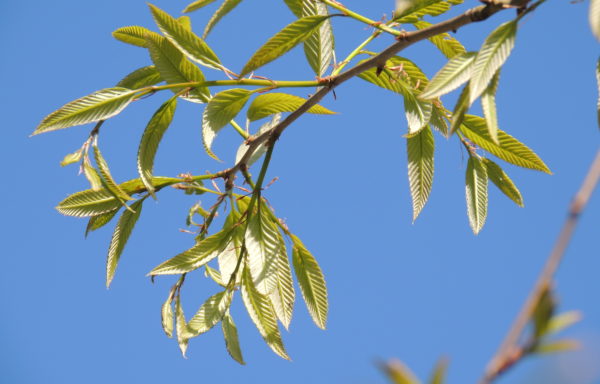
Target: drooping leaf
{"x": 319, "y": 47}
{"x": 262, "y": 314}
{"x": 231, "y": 338}
{"x": 493, "y": 53}
{"x": 107, "y": 180}
{"x": 271, "y": 103}
{"x": 439, "y": 119}
{"x": 181, "y": 327}
{"x": 283, "y": 41}
{"x": 509, "y": 149}
{"x": 175, "y": 68}
{"x": 447, "y": 44}
{"x": 258, "y": 152}
{"x": 210, "y": 313}
{"x": 311, "y": 281}
{"x": 224, "y": 9}
{"x": 219, "y": 111}
{"x": 91, "y": 174}
{"x": 595, "y": 18}
{"x": 97, "y": 222}
{"x": 156, "y": 128}
{"x": 488, "y": 104}
{"x": 503, "y": 182}
{"x": 166, "y": 313}
{"x": 197, "y": 5}
{"x": 140, "y": 78}
{"x": 452, "y": 75}
{"x": 228, "y": 260}
{"x": 183, "y": 38}
{"x": 134, "y": 35}
{"x": 100, "y": 105}
{"x": 283, "y": 294}
{"x": 420, "y": 151}
{"x": 460, "y": 109}
{"x": 476, "y": 192}
{"x": 262, "y": 244}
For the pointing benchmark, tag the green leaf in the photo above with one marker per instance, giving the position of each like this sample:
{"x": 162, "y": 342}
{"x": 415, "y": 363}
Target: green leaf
{"x": 452, "y": 75}
{"x": 201, "y": 253}
{"x": 100, "y": 105}
{"x": 295, "y": 6}
{"x": 134, "y": 35}
{"x": 185, "y": 22}
{"x": 283, "y": 294}
{"x": 231, "y": 338}
{"x": 503, "y": 182}
{"x": 439, "y": 373}
{"x": 180, "y": 325}
{"x": 595, "y": 17}
{"x": 493, "y": 53}
{"x": 557, "y": 346}
{"x": 261, "y": 239}
{"x": 460, "y": 109}
{"x": 197, "y": 5}
{"x": 283, "y": 41}
{"x": 258, "y": 152}
{"x": 107, "y": 180}
{"x": 191, "y": 45}
{"x": 97, "y": 222}
{"x": 210, "y": 313}
{"x": 488, "y": 104}
{"x": 409, "y": 11}
{"x": 140, "y": 78}
{"x": 166, "y": 313}
{"x": 319, "y": 47}
{"x": 224, "y": 9}
{"x": 439, "y": 120}
{"x": 262, "y": 314}
{"x": 119, "y": 238}
{"x": 509, "y": 149}
{"x": 271, "y": 103}
{"x": 562, "y": 321}
{"x": 476, "y": 192}
{"x": 175, "y": 68}
{"x": 420, "y": 151}
{"x": 311, "y": 281}
{"x": 214, "y": 275}
{"x": 399, "y": 373}
{"x": 156, "y": 128}
{"x": 72, "y": 158}
{"x": 219, "y": 111}
{"x": 447, "y": 44}
{"x": 91, "y": 175}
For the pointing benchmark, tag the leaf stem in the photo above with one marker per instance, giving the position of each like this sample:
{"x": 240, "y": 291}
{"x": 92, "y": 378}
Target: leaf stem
{"x": 356, "y": 16}
{"x": 354, "y": 53}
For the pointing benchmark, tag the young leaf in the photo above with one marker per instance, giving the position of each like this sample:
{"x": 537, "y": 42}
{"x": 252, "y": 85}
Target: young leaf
{"x": 447, "y": 44}
{"x": 476, "y": 192}
{"x": 509, "y": 149}
{"x": 100, "y": 105}
{"x": 89, "y": 203}
{"x": 197, "y": 5}
{"x": 283, "y": 294}
{"x": 262, "y": 314}
{"x": 502, "y": 181}
{"x": 107, "y": 180}
{"x": 182, "y": 334}
{"x": 134, "y": 35}
{"x": 493, "y": 53}
{"x": 97, "y": 222}
{"x": 460, "y": 109}
{"x": 191, "y": 45}
{"x": 420, "y": 150}
{"x": 91, "y": 174}
{"x": 311, "y": 281}
{"x": 72, "y": 158}
{"x": 119, "y": 238}
{"x": 258, "y": 152}
{"x": 195, "y": 257}
{"x": 210, "y": 313}
{"x": 452, "y": 75}
{"x": 270, "y": 103}
{"x": 283, "y": 41}
{"x": 166, "y": 313}
{"x": 418, "y": 112}
{"x": 224, "y": 9}
{"x": 156, "y": 128}
{"x": 140, "y": 78}
{"x": 595, "y": 17}
{"x": 319, "y": 47}
{"x": 262, "y": 245}
{"x": 488, "y": 104}
{"x": 174, "y": 68}
{"x": 219, "y": 111}
{"x": 231, "y": 338}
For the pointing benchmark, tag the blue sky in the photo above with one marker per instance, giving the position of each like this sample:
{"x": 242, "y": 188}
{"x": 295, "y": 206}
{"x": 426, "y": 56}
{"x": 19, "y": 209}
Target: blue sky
{"x": 397, "y": 289}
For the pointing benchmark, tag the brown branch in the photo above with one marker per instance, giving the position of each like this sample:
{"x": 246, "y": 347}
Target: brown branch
{"x": 510, "y": 352}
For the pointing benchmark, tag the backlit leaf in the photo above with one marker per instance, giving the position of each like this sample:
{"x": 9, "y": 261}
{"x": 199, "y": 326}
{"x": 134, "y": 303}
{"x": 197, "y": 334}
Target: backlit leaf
{"x": 210, "y": 313}
{"x": 488, "y": 104}
{"x": 503, "y": 182}
{"x": 107, "y": 180}
{"x": 97, "y": 222}
{"x": 452, "y": 75}
{"x": 180, "y": 325}
{"x": 476, "y": 192}
{"x": 262, "y": 244}
{"x": 319, "y": 47}
{"x": 258, "y": 152}
{"x": 420, "y": 151}
{"x": 231, "y": 338}
{"x": 283, "y": 294}
{"x": 595, "y": 17}
{"x": 140, "y": 78}
{"x": 166, "y": 313}
{"x": 224, "y": 9}
{"x": 197, "y": 5}
{"x": 270, "y": 103}
{"x": 295, "y": 6}
{"x": 460, "y": 109}
{"x": 134, "y": 35}
{"x": 72, "y": 158}
{"x": 447, "y": 44}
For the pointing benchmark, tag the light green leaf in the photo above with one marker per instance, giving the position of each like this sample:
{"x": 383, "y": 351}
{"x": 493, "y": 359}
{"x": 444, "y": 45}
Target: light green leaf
{"x": 156, "y": 128}
{"x": 197, "y": 5}
{"x": 180, "y": 325}
{"x": 166, "y": 313}
{"x": 420, "y": 151}
{"x": 224, "y": 9}
{"x": 439, "y": 120}
{"x": 185, "y": 22}
{"x": 503, "y": 182}
{"x": 409, "y": 11}
{"x": 100, "y": 105}
{"x": 183, "y": 38}
{"x": 295, "y": 6}
{"x": 231, "y": 338}
{"x": 283, "y": 294}
{"x": 262, "y": 314}
{"x": 134, "y": 35}
{"x": 311, "y": 281}
{"x": 107, "y": 180}
{"x": 72, "y": 158}
{"x": 562, "y": 321}
{"x": 203, "y": 252}
{"x": 214, "y": 275}
{"x": 258, "y": 152}
{"x": 228, "y": 260}
{"x": 476, "y": 192}
{"x": 493, "y": 53}
{"x": 175, "y": 68}
{"x": 140, "y": 78}
{"x": 219, "y": 111}
{"x": 488, "y": 104}
{"x": 210, "y": 313}
{"x": 595, "y": 17}
{"x": 283, "y": 41}
{"x": 97, "y": 222}
{"x": 509, "y": 149}
{"x": 261, "y": 239}
{"x": 460, "y": 109}
{"x": 447, "y": 44}
{"x": 91, "y": 174}
{"x": 439, "y": 373}
{"x": 319, "y": 47}
{"x": 452, "y": 75}
{"x": 271, "y": 103}
{"x": 557, "y": 346}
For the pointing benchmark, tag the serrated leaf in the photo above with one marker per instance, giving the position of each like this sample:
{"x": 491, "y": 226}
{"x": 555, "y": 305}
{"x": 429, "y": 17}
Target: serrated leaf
{"x": 503, "y": 182}
{"x": 175, "y": 68}
{"x": 185, "y": 22}
{"x": 156, "y": 128}
{"x": 408, "y": 11}
{"x": 562, "y": 321}
{"x": 180, "y": 326}
{"x": 231, "y": 338}
{"x": 262, "y": 314}
{"x": 91, "y": 175}
{"x": 594, "y": 17}
{"x": 210, "y": 313}
{"x": 107, "y": 180}
{"x": 201, "y": 253}
{"x": 183, "y": 38}
{"x": 219, "y": 111}
{"x": 224, "y": 9}
{"x": 134, "y": 35}
{"x": 283, "y": 294}
{"x": 119, "y": 238}
{"x": 509, "y": 149}
{"x": 97, "y": 222}
{"x": 295, "y": 6}
{"x": 140, "y": 78}
{"x": 166, "y": 313}
{"x": 448, "y": 45}
{"x": 197, "y": 5}
{"x": 72, "y": 158}
{"x": 439, "y": 120}
{"x": 283, "y": 41}
{"x": 318, "y": 48}
{"x": 488, "y": 104}
{"x": 271, "y": 103}
{"x": 557, "y": 346}
{"x": 476, "y": 192}
{"x": 420, "y": 151}
{"x": 311, "y": 281}
{"x": 100, "y": 105}
{"x": 460, "y": 109}
{"x": 214, "y": 275}
{"x": 452, "y": 75}
{"x": 228, "y": 260}
{"x": 258, "y": 152}
{"x": 262, "y": 245}
{"x": 493, "y": 53}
